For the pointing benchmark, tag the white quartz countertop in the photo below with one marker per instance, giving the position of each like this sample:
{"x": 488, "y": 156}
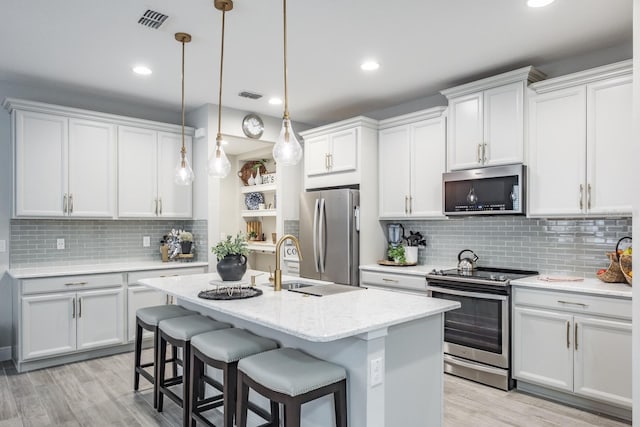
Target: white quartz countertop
{"x": 588, "y": 285}
{"x": 73, "y": 270}
{"x": 318, "y": 319}
{"x": 414, "y": 270}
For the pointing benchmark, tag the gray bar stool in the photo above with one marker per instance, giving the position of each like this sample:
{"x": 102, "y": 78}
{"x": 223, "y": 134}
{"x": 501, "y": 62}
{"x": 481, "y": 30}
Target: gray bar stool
{"x": 178, "y": 332}
{"x": 222, "y": 349}
{"x": 148, "y": 318}
{"x": 291, "y": 377}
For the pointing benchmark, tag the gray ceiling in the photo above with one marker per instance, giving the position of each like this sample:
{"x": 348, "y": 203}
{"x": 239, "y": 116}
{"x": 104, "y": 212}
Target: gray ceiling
{"x": 422, "y": 45}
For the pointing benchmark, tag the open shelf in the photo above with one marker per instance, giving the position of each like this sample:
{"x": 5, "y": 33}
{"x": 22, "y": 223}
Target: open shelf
{"x": 262, "y": 246}
{"x": 257, "y": 188}
{"x": 258, "y": 213}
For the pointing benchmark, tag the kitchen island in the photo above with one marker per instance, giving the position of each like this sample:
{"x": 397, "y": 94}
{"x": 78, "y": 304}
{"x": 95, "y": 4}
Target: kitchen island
{"x": 390, "y": 344}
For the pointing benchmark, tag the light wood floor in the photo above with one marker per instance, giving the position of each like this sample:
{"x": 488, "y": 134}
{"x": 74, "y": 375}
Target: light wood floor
{"x": 99, "y": 393}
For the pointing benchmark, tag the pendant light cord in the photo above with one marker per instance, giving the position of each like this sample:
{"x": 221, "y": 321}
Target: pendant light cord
{"x": 219, "y": 136}
{"x": 183, "y": 151}
{"x": 286, "y": 92}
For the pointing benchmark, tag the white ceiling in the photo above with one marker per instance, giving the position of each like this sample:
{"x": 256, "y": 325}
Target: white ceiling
{"x": 423, "y": 46}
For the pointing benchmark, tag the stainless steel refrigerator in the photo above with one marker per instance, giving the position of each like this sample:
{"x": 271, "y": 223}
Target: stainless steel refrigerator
{"x": 329, "y": 238}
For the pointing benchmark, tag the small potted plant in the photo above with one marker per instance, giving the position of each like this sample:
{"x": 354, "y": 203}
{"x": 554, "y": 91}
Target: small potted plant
{"x": 396, "y": 254}
{"x": 232, "y": 257}
{"x": 186, "y": 241}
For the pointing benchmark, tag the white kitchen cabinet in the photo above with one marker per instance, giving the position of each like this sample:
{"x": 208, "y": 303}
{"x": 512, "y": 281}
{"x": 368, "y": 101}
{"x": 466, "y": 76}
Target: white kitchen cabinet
{"x": 100, "y": 317}
{"x": 333, "y": 154}
{"x": 486, "y": 120}
{"x": 63, "y": 166}
{"x": 146, "y": 165}
{"x": 574, "y": 343}
{"x": 580, "y": 137}
{"x": 48, "y": 325}
{"x": 411, "y": 162}
{"x": 415, "y": 284}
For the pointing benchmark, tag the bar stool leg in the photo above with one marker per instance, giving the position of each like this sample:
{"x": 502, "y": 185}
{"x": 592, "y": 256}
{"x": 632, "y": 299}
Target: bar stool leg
{"x": 275, "y": 412}
{"x": 242, "y": 401}
{"x": 195, "y": 378}
{"x": 174, "y": 356}
{"x": 229, "y": 389}
{"x": 186, "y": 385}
{"x": 138, "y": 357}
{"x": 160, "y": 363}
{"x": 292, "y": 415}
{"x": 340, "y": 404}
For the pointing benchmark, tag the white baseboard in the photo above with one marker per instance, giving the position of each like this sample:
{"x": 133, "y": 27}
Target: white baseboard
{"x": 5, "y": 353}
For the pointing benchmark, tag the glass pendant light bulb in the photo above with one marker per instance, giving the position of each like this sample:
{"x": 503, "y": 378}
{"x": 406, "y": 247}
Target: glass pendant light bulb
{"x": 219, "y": 165}
{"x": 287, "y": 151}
{"x": 184, "y": 173}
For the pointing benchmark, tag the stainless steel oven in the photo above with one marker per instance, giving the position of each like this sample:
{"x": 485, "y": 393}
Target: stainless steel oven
{"x": 477, "y": 335}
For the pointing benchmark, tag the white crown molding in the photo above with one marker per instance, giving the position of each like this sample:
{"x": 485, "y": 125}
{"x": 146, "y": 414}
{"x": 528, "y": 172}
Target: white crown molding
{"x": 360, "y": 121}
{"x": 617, "y": 69}
{"x": 39, "y": 107}
{"x": 405, "y": 119}
{"x": 526, "y": 74}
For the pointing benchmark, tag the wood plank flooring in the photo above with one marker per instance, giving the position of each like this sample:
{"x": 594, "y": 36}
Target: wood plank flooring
{"x": 99, "y": 392}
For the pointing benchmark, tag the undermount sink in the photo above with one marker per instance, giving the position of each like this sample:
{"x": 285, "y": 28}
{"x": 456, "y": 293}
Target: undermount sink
{"x": 295, "y": 285}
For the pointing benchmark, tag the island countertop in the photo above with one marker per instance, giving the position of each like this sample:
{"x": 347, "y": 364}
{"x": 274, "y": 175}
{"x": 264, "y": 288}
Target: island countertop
{"x": 317, "y": 319}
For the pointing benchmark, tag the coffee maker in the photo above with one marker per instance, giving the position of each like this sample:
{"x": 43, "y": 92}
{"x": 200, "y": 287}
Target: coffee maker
{"x": 395, "y": 234}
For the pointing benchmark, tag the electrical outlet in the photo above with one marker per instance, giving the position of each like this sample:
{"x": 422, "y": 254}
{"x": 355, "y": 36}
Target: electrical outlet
{"x": 146, "y": 241}
{"x": 376, "y": 371}
{"x": 3, "y": 246}
{"x": 60, "y": 243}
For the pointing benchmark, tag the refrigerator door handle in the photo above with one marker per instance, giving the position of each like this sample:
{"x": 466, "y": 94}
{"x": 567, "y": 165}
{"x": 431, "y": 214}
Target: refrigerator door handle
{"x": 356, "y": 214}
{"x": 315, "y": 236}
{"x": 321, "y": 235}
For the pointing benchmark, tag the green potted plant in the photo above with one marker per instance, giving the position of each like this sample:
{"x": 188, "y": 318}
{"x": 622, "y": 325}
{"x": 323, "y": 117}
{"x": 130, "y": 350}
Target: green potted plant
{"x": 232, "y": 257}
{"x": 186, "y": 241}
{"x": 396, "y": 254}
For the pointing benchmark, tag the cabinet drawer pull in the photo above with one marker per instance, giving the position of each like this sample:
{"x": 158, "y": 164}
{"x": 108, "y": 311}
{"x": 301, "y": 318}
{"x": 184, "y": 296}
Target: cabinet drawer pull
{"x": 568, "y": 327}
{"x": 384, "y": 279}
{"x": 155, "y": 209}
{"x": 588, "y": 196}
{"x": 64, "y": 203}
{"x": 581, "y": 195}
{"x": 79, "y": 308}
{"x": 160, "y": 203}
{"x": 575, "y": 336}
{"x": 76, "y": 283}
{"x": 73, "y": 309}
{"x": 478, "y": 153}
{"x": 410, "y": 205}
{"x": 484, "y": 153}
{"x": 71, "y": 203}
{"x": 573, "y": 303}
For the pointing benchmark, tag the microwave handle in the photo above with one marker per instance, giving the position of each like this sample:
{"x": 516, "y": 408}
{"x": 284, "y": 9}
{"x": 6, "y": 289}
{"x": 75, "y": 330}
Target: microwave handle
{"x": 466, "y": 294}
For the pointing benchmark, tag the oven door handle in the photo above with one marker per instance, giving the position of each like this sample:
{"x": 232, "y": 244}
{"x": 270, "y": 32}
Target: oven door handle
{"x": 466, "y": 294}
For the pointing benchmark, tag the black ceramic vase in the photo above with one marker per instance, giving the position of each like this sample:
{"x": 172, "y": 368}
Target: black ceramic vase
{"x": 186, "y": 247}
{"x": 232, "y": 267}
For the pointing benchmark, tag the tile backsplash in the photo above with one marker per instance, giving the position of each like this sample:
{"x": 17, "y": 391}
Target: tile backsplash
{"x": 33, "y": 241}
{"x": 568, "y": 246}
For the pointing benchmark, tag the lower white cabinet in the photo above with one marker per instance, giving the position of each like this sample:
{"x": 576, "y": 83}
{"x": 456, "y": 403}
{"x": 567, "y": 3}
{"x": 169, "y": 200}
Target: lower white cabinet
{"x": 573, "y": 343}
{"x": 64, "y": 322}
{"x": 407, "y": 283}
{"x": 141, "y": 297}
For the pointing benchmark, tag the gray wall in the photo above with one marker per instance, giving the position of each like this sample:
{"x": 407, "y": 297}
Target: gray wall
{"x": 568, "y": 246}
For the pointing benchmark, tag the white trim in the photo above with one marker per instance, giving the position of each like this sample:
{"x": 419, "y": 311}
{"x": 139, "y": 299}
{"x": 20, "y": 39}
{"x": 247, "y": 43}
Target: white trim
{"x": 417, "y": 116}
{"x": 617, "y": 69}
{"x": 526, "y": 74}
{"x": 5, "y": 353}
{"x": 361, "y": 121}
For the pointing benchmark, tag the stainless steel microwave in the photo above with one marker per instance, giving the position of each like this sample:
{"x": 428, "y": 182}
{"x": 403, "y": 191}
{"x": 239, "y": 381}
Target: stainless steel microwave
{"x": 495, "y": 190}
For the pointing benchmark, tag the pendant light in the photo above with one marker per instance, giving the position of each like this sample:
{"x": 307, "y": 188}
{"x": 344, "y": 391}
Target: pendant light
{"x": 219, "y": 165}
{"x": 287, "y": 151}
{"x": 184, "y": 173}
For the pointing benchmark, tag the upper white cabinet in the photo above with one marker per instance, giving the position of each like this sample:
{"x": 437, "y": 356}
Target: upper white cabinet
{"x": 411, "y": 161}
{"x": 147, "y": 160}
{"x": 63, "y": 166}
{"x": 333, "y": 154}
{"x": 486, "y": 120}
{"x": 580, "y": 137}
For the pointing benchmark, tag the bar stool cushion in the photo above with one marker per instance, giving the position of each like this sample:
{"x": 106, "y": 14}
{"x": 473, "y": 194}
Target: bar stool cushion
{"x": 185, "y": 327}
{"x": 153, "y": 315}
{"x": 231, "y": 345}
{"x": 290, "y": 371}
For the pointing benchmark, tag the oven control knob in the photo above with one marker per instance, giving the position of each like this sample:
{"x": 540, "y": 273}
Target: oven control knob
{"x": 502, "y": 277}
{"x": 493, "y": 277}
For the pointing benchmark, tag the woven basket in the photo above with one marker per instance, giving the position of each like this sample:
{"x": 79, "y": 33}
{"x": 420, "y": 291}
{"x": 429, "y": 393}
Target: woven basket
{"x": 626, "y": 265}
{"x": 614, "y": 273}
{"x": 248, "y": 170}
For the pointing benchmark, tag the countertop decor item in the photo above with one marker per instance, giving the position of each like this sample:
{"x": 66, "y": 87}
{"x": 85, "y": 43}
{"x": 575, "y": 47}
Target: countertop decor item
{"x": 388, "y": 263}
{"x": 232, "y": 257}
{"x": 252, "y": 200}
{"x": 229, "y": 290}
{"x": 186, "y": 242}
{"x": 184, "y": 174}
{"x": 614, "y": 273}
{"x": 249, "y": 169}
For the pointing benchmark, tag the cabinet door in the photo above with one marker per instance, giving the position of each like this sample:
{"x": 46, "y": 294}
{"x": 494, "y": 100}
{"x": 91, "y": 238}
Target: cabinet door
{"x": 92, "y": 167}
{"x": 137, "y": 172}
{"x": 141, "y": 297}
{"x": 394, "y": 171}
{"x": 41, "y": 164}
{"x": 465, "y": 132}
{"x": 100, "y": 318}
{"x": 344, "y": 151}
{"x": 542, "y": 348}
{"x": 602, "y": 355}
{"x": 48, "y": 325}
{"x": 174, "y": 201}
{"x": 316, "y": 152}
{"x": 557, "y": 153}
{"x": 503, "y": 124}
{"x": 428, "y": 139}
{"x": 609, "y": 146}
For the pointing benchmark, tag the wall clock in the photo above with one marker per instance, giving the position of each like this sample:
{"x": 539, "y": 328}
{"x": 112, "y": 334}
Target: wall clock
{"x": 252, "y": 126}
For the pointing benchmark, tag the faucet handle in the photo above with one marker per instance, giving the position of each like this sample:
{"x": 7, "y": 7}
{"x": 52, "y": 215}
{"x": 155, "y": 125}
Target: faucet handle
{"x": 271, "y": 278}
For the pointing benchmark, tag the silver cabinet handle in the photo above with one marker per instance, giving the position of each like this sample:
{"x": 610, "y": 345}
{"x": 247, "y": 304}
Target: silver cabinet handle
{"x": 406, "y": 200}
{"x": 410, "y": 205}
{"x": 155, "y": 209}
{"x": 160, "y": 203}
{"x": 581, "y": 195}
{"x": 64, "y": 204}
{"x": 79, "y": 308}
{"x": 71, "y": 203}
{"x": 575, "y": 336}
{"x": 573, "y": 303}
{"x": 568, "y": 327}
{"x": 588, "y": 196}
{"x": 484, "y": 153}
{"x": 478, "y": 153}
{"x": 73, "y": 309}
{"x": 76, "y": 283}
{"x": 330, "y": 161}
{"x": 384, "y": 279}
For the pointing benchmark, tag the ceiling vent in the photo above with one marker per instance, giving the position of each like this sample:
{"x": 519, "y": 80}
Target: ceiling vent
{"x": 250, "y": 95}
{"x": 152, "y": 19}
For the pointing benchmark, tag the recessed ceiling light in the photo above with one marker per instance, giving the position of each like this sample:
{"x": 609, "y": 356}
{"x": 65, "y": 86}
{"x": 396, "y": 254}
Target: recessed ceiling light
{"x": 142, "y": 70}
{"x": 275, "y": 101}
{"x": 539, "y": 3}
{"x": 369, "y": 66}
